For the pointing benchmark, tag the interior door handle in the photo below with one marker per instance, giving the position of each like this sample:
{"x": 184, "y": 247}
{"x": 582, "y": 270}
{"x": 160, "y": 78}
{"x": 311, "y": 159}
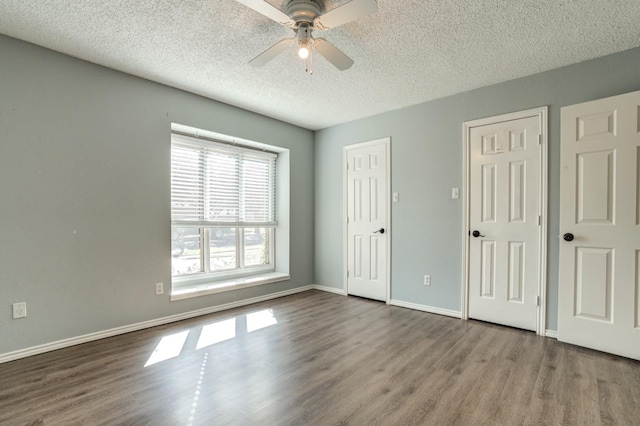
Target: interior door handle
{"x": 381, "y": 230}
{"x": 568, "y": 236}
{"x": 477, "y": 234}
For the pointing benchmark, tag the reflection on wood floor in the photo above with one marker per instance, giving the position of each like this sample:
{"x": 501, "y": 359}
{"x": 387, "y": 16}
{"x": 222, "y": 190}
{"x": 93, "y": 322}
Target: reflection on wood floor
{"x": 319, "y": 359}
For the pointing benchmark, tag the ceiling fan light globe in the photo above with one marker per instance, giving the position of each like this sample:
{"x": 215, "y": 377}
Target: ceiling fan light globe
{"x": 303, "y": 52}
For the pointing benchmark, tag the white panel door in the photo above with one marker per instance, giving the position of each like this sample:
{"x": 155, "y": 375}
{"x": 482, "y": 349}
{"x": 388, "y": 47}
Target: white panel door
{"x": 598, "y": 290}
{"x": 367, "y": 233}
{"x": 504, "y": 209}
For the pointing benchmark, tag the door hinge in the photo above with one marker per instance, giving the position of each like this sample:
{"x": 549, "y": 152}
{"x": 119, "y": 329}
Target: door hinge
{"x": 347, "y": 166}
{"x": 540, "y": 139}
{"x": 347, "y": 219}
{"x": 347, "y": 273}
{"x": 539, "y": 220}
{"x": 538, "y": 301}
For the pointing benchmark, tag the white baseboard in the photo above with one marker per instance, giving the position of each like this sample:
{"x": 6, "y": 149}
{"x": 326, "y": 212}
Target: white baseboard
{"x": 551, "y": 333}
{"x": 424, "y": 308}
{"x": 334, "y": 290}
{"x": 47, "y": 347}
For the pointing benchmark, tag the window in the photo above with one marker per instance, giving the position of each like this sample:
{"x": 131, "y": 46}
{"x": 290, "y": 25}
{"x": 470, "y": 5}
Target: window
{"x": 223, "y": 210}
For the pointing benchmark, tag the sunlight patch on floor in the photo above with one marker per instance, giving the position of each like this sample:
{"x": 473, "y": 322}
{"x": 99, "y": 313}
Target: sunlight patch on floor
{"x": 168, "y": 347}
{"x": 261, "y": 319}
{"x": 171, "y": 346}
{"x": 216, "y": 333}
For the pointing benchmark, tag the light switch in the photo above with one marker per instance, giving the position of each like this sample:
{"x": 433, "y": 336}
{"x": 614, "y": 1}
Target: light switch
{"x": 396, "y": 197}
{"x": 455, "y": 192}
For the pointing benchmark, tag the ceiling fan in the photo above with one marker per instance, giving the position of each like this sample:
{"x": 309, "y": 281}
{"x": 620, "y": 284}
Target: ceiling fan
{"x": 305, "y": 16}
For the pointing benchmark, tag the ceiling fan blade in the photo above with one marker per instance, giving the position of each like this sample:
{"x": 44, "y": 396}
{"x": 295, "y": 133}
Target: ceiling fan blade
{"x": 348, "y": 12}
{"x": 271, "y": 52}
{"x": 271, "y": 12}
{"x": 332, "y": 54}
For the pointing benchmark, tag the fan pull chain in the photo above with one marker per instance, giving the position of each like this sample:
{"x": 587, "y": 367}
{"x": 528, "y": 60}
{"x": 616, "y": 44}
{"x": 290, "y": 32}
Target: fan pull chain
{"x": 309, "y": 68}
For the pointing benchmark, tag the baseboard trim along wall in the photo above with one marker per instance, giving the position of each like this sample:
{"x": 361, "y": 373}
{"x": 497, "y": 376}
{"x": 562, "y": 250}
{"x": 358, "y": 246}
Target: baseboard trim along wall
{"x": 424, "y": 308}
{"x": 551, "y": 333}
{"x": 60, "y": 344}
{"x": 334, "y": 290}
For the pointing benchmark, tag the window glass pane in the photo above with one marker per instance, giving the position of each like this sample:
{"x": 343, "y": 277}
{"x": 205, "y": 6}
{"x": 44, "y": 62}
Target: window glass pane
{"x": 186, "y": 183}
{"x": 222, "y": 249}
{"x": 222, "y": 187}
{"x": 256, "y": 246}
{"x": 258, "y": 181}
{"x": 185, "y": 251}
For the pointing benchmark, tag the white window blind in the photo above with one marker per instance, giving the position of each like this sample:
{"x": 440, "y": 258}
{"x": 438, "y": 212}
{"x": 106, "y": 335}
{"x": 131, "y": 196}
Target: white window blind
{"x": 215, "y": 184}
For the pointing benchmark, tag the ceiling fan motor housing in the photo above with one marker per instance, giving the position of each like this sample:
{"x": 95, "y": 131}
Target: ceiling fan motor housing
{"x": 304, "y": 11}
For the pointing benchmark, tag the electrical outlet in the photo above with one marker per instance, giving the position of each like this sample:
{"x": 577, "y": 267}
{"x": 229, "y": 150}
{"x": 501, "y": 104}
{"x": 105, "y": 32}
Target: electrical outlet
{"x": 159, "y": 288}
{"x": 427, "y": 280}
{"x": 19, "y": 310}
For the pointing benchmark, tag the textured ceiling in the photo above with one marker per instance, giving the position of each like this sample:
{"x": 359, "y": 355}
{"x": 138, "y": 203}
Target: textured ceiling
{"x": 411, "y": 51}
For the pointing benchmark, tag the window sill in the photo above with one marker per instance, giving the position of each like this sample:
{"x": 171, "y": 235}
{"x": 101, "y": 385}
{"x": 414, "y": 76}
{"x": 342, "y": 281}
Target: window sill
{"x": 198, "y": 290}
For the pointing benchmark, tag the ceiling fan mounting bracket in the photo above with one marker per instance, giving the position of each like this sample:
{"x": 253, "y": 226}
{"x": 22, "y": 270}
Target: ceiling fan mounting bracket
{"x": 304, "y": 11}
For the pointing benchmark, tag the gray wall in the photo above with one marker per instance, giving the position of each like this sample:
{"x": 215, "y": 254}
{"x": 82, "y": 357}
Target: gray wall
{"x": 85, "y": 190}
{"x": 426, "y": 150}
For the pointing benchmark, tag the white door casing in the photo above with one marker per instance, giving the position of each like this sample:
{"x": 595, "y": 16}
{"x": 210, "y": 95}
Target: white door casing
{"x": 367, "y": 213}
{"x": 505, "y": 188}
{"x": 599, "y": 277}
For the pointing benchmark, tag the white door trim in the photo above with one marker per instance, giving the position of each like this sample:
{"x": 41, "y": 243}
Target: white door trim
{"x": 541, "y": 113}
{"x": 345, "y": 226}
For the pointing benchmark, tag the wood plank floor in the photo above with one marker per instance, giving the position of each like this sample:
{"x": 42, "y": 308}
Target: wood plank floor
{"x": 328, "y": 360}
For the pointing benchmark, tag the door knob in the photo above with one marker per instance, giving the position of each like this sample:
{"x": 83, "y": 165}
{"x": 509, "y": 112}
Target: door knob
{"x": 568, "y": 236}
{"x": 381, "y": 230}
{"x": 477, "y": 234}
